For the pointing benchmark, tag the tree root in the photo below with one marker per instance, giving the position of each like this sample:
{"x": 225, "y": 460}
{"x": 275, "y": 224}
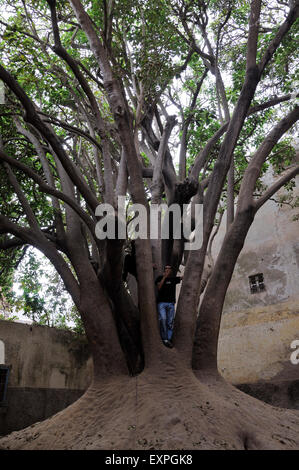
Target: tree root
{"x": 163, "y": 412}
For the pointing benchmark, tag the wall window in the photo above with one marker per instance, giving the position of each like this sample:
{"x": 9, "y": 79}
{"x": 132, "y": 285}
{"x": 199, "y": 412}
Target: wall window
{"x": 256, "y": 283}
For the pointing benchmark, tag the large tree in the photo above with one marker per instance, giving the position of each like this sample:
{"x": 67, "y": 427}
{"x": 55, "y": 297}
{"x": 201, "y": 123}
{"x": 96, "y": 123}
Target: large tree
{"x": 158, "y": 101}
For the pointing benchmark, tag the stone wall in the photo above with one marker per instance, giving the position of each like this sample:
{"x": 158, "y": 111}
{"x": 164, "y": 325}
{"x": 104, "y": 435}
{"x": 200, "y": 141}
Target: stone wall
{"x": 271, "y": 248}
{"x": 49, "y": 369}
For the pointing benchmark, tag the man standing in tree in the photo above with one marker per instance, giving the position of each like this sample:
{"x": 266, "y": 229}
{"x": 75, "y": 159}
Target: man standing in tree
{"x": 166, "y": 285}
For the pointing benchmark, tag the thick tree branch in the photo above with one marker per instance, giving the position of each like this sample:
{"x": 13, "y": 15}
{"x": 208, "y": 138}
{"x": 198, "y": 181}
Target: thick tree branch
{"x": 9, "y": 243}
{"x": 157, "y": 182}
{"x": 254, "y": 168}
{"x": 283, "y": 30}
{"x": 268, "y": 104}
{"x": 22, "y": 198}
{"x": 253, "y": 33}
{"x": 288, "y": 176}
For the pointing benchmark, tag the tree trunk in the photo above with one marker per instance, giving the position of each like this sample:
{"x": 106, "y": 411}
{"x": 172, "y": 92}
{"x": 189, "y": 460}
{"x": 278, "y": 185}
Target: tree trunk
{"x": 209, "y": 318}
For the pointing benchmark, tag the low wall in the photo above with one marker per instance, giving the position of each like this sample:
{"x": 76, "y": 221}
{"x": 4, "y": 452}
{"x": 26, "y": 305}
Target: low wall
{"x": 26, "y": 405}
{"x": 49, "y": 369}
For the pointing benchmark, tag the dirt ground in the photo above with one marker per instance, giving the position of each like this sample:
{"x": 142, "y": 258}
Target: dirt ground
{"x": 162, "y": 411}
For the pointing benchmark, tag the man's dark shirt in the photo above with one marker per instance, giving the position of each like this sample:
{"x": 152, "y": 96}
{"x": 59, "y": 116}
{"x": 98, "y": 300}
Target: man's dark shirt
{"x": 167, "y": 291}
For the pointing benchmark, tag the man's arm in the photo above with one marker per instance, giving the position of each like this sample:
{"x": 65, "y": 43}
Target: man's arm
{"x": 160, "y": 284}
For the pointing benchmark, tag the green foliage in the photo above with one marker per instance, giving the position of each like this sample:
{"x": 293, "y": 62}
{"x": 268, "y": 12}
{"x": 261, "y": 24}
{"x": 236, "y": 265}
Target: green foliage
{"x": 37, "y": 292}
{"x": 11, "y": 318}
{"x": 7, "y": 263}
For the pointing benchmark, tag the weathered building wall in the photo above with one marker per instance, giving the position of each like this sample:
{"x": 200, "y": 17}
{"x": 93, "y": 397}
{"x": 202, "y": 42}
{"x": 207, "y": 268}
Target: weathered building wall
{"x": 257, "y": 329}
{"x": 49, "y": 369}
{"x": 272, "y": 248}
{"x": 255, "y": 352}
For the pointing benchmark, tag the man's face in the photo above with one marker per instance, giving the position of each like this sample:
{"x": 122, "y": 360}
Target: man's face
{"x": 167, "y": 271}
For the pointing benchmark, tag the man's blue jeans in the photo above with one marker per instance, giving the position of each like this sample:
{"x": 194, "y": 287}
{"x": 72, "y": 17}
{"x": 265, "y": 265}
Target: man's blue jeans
{"x": 166, "y": 318}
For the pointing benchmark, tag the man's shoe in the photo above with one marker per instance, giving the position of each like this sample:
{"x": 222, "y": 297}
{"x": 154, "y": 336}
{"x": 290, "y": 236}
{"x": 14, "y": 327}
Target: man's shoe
{"x": 167, "y": 343}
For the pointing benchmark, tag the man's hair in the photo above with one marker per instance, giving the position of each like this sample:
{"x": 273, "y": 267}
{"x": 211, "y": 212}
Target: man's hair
{"x": 167, "y": 266}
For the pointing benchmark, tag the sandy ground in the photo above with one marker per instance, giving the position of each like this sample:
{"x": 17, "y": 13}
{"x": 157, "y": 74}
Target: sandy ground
{"x": 162, "y": 411}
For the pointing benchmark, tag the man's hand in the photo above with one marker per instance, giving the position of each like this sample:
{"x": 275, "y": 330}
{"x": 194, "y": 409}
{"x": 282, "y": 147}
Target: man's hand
{"x": 160, "y": 284}
{"x": 167, "y": 273}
